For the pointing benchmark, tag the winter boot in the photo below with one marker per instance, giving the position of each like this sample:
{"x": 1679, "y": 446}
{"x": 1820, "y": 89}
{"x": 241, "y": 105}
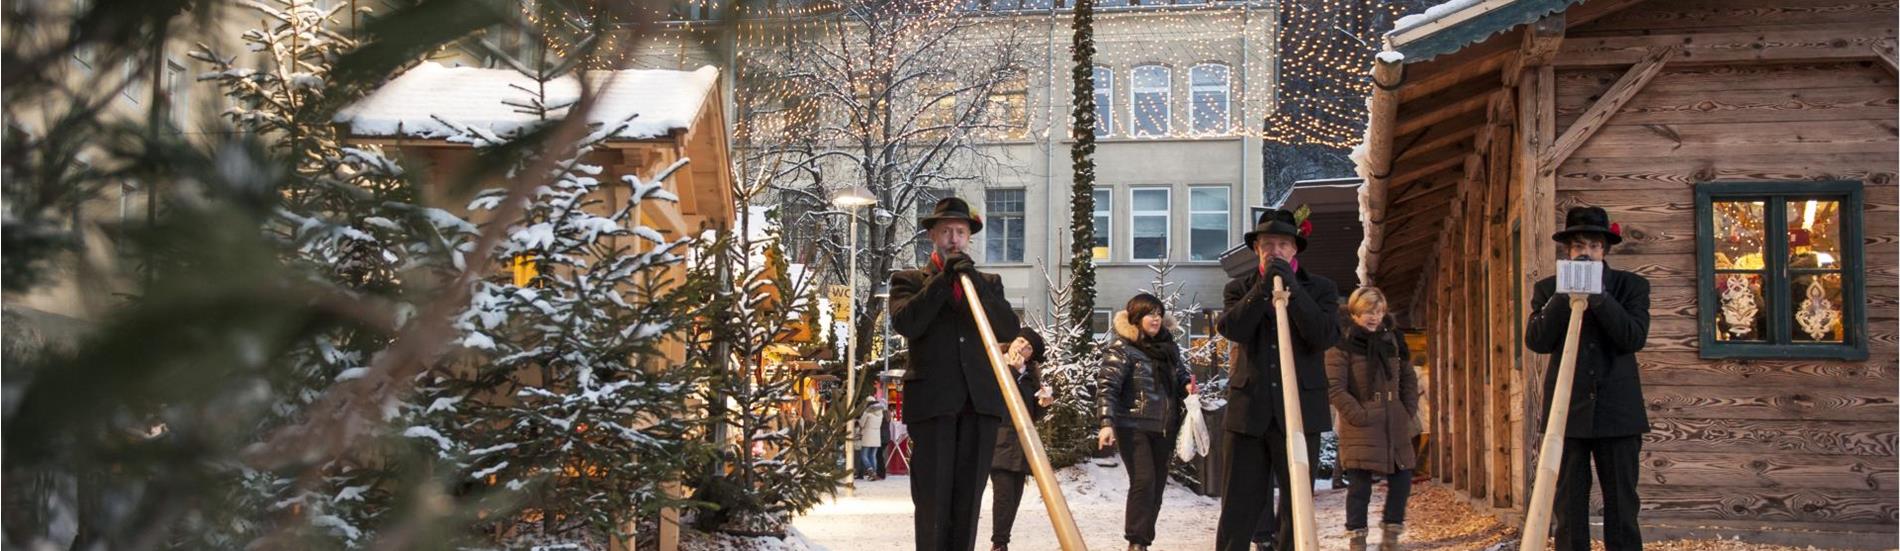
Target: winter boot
{"x": 1389, "y": 536}
{"x": 1137, "y": 547}
{"x": 1000, "y": 547}
{"x": 1357, "y": 541}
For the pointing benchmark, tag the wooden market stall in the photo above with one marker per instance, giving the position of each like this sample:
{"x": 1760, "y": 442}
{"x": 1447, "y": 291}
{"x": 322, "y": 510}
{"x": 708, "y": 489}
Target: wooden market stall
{"x": 1748, "y": 150}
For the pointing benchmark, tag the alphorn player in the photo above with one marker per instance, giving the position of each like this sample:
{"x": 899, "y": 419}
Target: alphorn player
{"x": 1607, "y": 420}
{"x": 952, "y": 402}
{"x": 1255, "y": 422}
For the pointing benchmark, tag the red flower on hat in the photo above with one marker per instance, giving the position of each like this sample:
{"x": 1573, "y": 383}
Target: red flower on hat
{"x": 1616, "y": 228}
{"x": 1306, "y": 228}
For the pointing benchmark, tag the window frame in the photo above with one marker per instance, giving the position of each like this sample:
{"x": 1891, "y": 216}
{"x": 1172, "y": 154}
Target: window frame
{"x": 1167, "y": 100}
{"x": 1167, "y": 217}
{"x": 1226, "y": 89}
{"x": 1105, "y": 214}
{"x": 1775, "y": 196}
{"x": 1227, "y": 215}
{"x": 992, "y": 217}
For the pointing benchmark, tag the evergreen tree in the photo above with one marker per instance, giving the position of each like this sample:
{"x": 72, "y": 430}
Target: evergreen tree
{"x": 1068, "y": 431}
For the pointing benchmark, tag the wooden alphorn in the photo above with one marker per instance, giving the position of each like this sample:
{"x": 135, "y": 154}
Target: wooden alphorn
{"x": 1550, "y": 454}
{"x": 1299, "y": 469}
{"x": 1067, "y": 534}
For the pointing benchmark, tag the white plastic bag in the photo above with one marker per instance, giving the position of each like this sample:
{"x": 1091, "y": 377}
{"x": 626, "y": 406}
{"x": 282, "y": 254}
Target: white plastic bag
{"x": 1194, "y": 440}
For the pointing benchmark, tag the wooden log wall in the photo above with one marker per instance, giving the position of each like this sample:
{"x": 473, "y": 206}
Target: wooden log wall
{"x": 1807, "y": 444}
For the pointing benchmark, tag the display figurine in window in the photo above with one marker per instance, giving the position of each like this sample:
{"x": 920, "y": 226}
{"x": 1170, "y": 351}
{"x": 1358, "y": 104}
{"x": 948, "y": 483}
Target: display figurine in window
{"x": 1819, "y": 315}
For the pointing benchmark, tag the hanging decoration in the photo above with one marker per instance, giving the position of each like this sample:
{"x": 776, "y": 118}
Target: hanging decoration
{"x": 1739, "y": 306}
{"x": 1818, "y": 315}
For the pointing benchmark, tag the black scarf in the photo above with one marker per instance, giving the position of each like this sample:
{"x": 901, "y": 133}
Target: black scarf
{"x": 1161, "y": 349}
{"x": 1376, "y": 346}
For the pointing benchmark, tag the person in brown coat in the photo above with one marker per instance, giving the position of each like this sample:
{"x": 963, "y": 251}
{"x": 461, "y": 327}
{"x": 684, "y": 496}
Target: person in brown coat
{"x": 1371, "y": 383}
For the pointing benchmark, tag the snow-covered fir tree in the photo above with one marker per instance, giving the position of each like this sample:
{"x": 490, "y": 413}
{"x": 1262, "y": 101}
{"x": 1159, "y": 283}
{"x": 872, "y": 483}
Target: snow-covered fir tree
{"x": 773, "y": 462}
{"x": 566, "y": 412}
{"x": 1068, "y": 431}
{"x": 349, "y": 222}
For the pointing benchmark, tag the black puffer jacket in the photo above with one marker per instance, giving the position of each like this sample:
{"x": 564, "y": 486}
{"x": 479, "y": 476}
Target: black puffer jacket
{"x": 1142, "y": 382}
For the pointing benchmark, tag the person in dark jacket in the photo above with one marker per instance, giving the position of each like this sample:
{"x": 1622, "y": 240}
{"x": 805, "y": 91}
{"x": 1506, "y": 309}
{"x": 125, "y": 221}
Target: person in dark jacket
{"x": 1607, "y": 419}
{"x": 1144, "y": 381}
{"x": 1255, "y": 422}
{"x": 952, "y": 403}
{"x": 1009, "y": 467}
{"x": 1370, "y": 380}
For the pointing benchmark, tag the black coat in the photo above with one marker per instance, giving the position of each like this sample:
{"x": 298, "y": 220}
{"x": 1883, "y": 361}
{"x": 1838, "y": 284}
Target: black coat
{"x": 1140, "y": 391}
{"x": 1254, "y": 401}
{"x": 1606, "y": 399}
{"x": 1009, "y": 455}
{"x": 948, "y": 366}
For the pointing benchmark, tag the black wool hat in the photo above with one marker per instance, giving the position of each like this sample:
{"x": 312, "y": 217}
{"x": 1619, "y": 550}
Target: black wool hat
{"x": 1277, "y": 222}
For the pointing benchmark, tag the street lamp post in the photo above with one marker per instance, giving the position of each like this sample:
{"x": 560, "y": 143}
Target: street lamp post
{"x": 851, "y": 198}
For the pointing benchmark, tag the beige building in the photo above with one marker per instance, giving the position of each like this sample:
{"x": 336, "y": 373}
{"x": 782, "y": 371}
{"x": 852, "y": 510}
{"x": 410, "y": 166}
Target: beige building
{"x": 1181, "y": 90}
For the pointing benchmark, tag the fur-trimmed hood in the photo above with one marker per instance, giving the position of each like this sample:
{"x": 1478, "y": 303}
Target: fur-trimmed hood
{"x": 1126, "y": 329}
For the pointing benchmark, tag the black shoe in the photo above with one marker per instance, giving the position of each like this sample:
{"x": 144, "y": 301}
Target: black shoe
{"x": 1137, "y": 547}
{"x": 1000, "y": 547}
{"x": 1262, "y": 546}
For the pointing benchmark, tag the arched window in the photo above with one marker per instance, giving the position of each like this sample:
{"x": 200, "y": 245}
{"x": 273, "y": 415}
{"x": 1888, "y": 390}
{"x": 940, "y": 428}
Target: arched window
{"x": 1209, "y": 85}
{"x": 1149, "y": 96}
{"x": 1104, "y": 101}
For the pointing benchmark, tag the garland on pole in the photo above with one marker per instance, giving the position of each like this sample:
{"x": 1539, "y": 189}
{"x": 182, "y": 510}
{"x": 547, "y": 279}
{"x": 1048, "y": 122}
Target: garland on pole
{"x": 1082, "y": 192}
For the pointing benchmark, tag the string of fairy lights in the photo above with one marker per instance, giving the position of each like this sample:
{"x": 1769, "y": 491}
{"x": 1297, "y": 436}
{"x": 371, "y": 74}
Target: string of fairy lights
{"x": 1315, "y": 93}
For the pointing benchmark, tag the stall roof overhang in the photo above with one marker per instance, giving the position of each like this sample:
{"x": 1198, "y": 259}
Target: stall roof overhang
{"x": 1449, "y": 27}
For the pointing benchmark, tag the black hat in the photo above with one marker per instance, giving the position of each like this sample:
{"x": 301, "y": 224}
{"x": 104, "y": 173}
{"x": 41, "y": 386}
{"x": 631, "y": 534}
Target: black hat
{"x": 952, "y": 208}
{"x": 1588, "y": 220}
{"x": 1277, "y": 222}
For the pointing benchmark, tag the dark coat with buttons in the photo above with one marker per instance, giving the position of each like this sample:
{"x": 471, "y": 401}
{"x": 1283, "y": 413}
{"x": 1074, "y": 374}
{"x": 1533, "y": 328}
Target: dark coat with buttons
{"x": 1606, "y": 399}
{"x": 948, "y": 367}
{"x": 1254, "y": 398}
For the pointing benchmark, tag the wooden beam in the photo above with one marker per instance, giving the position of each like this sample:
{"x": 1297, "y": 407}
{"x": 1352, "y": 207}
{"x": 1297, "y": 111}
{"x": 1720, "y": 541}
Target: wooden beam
{"x": 1428, "y": 77}
{"x": 1885, "y": 51}
{"x": 1541, "y": 43}
{"x": 1439, "y": 135}
{"x": 1596, "y": 9}
{"x": 1444, "y": 160}
{"x": 1802, "y": 45}
{"x": 1375, "y": 165}
{"x": 1605, "y": 108}
{"x": 1464, "y": 98}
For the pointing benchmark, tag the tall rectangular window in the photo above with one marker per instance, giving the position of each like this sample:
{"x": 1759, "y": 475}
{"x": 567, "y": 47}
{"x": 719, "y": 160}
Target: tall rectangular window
{"x": 1781, "y": 270}
{"x": 177, "y": 92}
{"x": 926, "y": 202}
{"x": 1009, "y": 101}
{"x": 1208, "y": 84}
{"x": 1148, "y": 224}
{"x": 1104, "y": 101}
{"x": 1148, "y": 97}
{"x": 1104, "y": 205}
{"x": 134, "y": 80}
{"x": 1003, "y": 225}
{"x": 1208, "y": 216}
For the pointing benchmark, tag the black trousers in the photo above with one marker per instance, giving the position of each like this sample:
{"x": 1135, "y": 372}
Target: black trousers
{"x": 1006, "y": 489}
{"x": 949, "y": 456}
{"x": 1145, "y": 456}
{"x": 1616, "y": 460}
{"x": 1254, "y": 465}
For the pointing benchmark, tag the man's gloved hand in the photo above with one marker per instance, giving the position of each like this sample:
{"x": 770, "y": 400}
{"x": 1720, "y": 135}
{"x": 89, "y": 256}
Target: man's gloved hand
{"x": 1280, "y": 267}
{"x": 959, "y": 263}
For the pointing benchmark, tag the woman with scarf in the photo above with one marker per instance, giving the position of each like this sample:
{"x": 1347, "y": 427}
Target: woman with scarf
{"x": 1372, "y": 384}
{"x": 1144, "y": 381}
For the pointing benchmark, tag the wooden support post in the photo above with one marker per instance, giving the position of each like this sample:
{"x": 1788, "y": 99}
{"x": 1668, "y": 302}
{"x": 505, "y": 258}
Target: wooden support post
{"x": 1536, "y": 131}
{"x": 1605, "y": 108}
{"x": 1541, "y": 43}
{"x": 1472, "y": 299}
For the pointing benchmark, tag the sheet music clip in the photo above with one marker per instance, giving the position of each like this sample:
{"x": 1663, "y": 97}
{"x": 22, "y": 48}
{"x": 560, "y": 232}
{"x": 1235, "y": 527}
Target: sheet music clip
{"x": 1579, "y": 277}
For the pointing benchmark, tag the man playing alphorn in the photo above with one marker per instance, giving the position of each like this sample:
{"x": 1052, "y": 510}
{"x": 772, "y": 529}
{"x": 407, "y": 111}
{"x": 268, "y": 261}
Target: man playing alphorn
{"x": 952, "y": 402}
{"x": 1255, "y": 421}
{"x": 1606, "y": 420}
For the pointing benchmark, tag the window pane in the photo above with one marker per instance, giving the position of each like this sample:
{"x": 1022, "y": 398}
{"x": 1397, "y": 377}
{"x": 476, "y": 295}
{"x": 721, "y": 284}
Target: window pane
{"x": 1150, "y": 237}
{"x": 1208, "y": 199}
{"x": 1098, "y": 322}
{"x": 1744, "y": 309}
{"x": 1149, "y": 91}
{"x": 1102, "y": 230}
{"x": 1817, "y": 307}
{"x": 1739, "y": 227}
{"x": 1003, "y": 232}
{"x": 1104, "y": 101}
{"x": 1814, "y": 234}
{"x": 1207, "y": 237}
{"x": 1151, "y": 200}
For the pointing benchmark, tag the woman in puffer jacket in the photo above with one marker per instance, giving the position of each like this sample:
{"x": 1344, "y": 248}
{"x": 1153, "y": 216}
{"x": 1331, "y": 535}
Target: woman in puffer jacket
{"x": 1144, "y": 381}
{"x": 1372, "y": 385}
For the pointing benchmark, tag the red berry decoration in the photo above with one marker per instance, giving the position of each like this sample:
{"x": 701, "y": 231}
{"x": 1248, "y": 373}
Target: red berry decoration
{"x": 1616, "y": 229}
{"x": 1306, "y": 228}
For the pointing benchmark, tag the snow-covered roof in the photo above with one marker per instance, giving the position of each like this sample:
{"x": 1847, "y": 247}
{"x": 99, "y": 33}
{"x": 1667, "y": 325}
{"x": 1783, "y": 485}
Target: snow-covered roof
{"x": 1450, "y": 26}
{"x": 650, "y": 102}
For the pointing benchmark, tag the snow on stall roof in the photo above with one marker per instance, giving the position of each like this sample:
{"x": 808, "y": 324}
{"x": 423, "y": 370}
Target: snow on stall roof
{"x": 1431, "y": 14}
{"x": 656, "y": 101}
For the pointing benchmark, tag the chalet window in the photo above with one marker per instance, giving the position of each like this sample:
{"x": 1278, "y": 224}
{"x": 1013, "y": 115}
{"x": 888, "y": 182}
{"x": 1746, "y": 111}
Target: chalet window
{"x": 1149, "y": 223}
{"x": 1003, "y": 225}
{"x": 1104, "y": 101}
{"x": 1780, "y": 270}
{"x": 1149, "y": 95}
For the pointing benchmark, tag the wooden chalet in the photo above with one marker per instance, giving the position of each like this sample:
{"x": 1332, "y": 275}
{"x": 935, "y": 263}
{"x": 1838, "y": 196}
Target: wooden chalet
{"x": 1748, "y": 150}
